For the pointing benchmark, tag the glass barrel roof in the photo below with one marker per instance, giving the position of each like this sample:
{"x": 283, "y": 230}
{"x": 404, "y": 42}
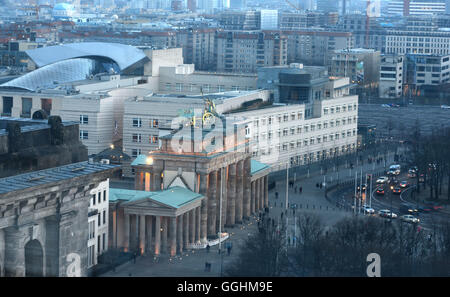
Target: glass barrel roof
{"x": 61, "y": 72}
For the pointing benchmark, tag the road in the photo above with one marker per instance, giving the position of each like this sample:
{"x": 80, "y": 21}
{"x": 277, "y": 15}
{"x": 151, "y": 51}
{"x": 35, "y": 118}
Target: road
{"x": 393, "y": 202}
{"x": 404, "y": 118}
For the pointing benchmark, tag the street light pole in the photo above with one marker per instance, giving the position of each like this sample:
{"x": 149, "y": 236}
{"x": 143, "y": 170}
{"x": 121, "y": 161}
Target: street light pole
{"x": 220, "y": 219}
{"x": 287, "y": 185}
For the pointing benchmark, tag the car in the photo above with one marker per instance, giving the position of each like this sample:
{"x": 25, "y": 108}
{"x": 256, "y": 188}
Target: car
{"x": 368, "y": 210}
{"x": 406, "y": 209}
{"x": 382, "y": 179}
{"x": 293, "y": 205}
{"x": 404, "y": 184}
{"x": 409, "y": 219}
{"x": 422, "y": 178}
{"x": 394, "y": 105}
{"x": 445, "y": 107}
{"x": 385, "y": 105}
{"x": 411, "y": 174}
{"x": 386, "y": 213}
{"x": 397, "y": 190}
{"x": 380, "y": 191}
{"x": 364, "y": 187}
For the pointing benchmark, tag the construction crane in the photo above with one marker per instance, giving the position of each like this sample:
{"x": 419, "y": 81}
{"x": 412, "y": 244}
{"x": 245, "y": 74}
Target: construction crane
{"x": 292, "y": 5}
{"x": 366, "y": 41}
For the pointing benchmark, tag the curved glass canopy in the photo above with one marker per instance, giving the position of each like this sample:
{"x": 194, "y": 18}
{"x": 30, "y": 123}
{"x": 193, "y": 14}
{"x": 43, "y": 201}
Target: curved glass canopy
{"x": 62, "y": 72}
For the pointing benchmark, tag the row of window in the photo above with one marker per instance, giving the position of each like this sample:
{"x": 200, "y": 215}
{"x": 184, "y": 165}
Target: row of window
{"x": 338, "y": 109}
{"x": 153, "y": 139}
{"x": 306, "y": 157}
{"x": 311, "y": 127}
{"x": 153, "y": 123}
{"x": 318, "y": 139}
{"x": 27, "y": 104}
{"x": 97, "y": 198}
{"x": 179, "y": 87}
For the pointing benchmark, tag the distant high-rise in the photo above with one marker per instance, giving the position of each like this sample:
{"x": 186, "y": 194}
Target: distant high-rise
{"x": 238, "y": 4}
{"x": 269, "y": 19}
{"x": 192, "y": 5}
{"x": 340, "y": 6}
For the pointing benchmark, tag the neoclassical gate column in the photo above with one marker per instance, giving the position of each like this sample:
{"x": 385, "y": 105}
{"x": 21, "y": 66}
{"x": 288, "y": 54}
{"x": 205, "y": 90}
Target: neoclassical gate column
{"x": 247, "y": 189}
{"x": 192, "y": 226}
{"x": 203, "y": 189}
{"x": 142, "y": 234}
{"x": 253, "y": 198}
{"x": 185, "y": 230}
{"x": 164, "y": 227}
{"x": 173, "y": 237}
{"x": 149, "y": 233}
{"x": 266, "y": 190}
{"x": 180, "y": 234}
{"x": 197, "y": 224}
{"x": 212, "y": 203}
{"x": 126, "y": 237}
{"x": 231, "y": 201}
{"x": 157, "y": 248}
{"x": 257, "y": 194}
{"x": 239, "y": 191}
{"x": 133, "y": 232}
{"x": 261, "y": 193}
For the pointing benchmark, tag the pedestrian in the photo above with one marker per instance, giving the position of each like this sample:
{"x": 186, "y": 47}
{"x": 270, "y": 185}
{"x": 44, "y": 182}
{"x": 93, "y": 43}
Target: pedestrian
{"x": 276, "y": 195}
{"x": 321, "y": 185}
{"x": 282, "y": 215}
{"x": 207, "y": 248}
{"x": 301, "y": 189}
{"x": 134, "y": 258}
{"x": 229, "y": 250}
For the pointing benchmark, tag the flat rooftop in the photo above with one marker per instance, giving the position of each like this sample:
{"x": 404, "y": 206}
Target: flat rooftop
{"x": 27, "y": 125}
{"x": 52, "y": 175}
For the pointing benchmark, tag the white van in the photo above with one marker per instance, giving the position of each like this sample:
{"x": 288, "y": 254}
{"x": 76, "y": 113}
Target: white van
{"x": 394, "y": 169}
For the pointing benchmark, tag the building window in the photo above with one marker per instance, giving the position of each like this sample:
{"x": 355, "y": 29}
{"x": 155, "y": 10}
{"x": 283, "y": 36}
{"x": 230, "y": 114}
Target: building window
{"x": 99, "y": 221}
{"x": 153, "y": 138}
{"x": 179, "y": 87}
{"x": 98, "y": 244}
{"x": 26, "y": 106}
{"x": 137, "y": 122}
{"x": 84, "y": 134}
{"x": 46, "y": 104}
{"x": 104, "y": 195}
{"x": 84, "y": 119}
{"x": 168, "y": 86}
{"x": 7, "y": 106}
{"x": 136, "y": 138}
{"x": 155, "y": 123}
{"x": 94, "y": 198}
{"x": 104, "y": 241}
{"x": 104, "y": 217}
{"x": 135, "y": 152}
{"x": 99, "y": 197}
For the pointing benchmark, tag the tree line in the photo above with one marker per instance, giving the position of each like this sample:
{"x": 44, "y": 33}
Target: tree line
{"x": 341, "y": 250}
